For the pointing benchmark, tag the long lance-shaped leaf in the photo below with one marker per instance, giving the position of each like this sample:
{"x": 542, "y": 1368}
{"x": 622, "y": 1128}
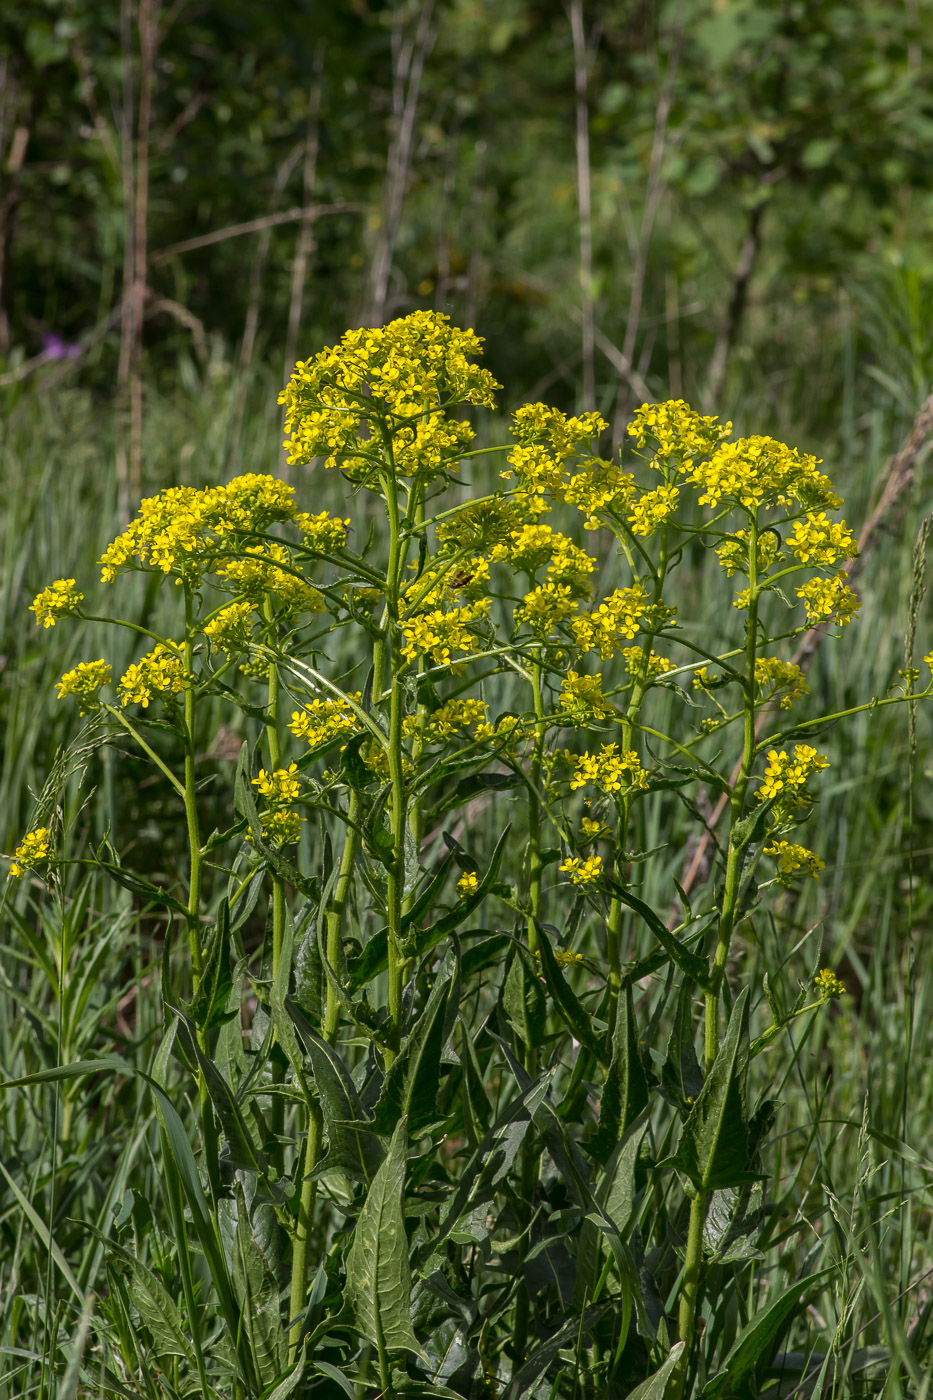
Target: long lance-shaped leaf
{"x": 411, "y": 1085}
{"x": 257, "y": 1293}
{"x": 713, "y": 1148}
{"x": 487, "y": 1166}
{"x": 655, "y": 1387}
{"x": 157, "y": 1308}
{"x": 375, "y": 956}
{"x": 577, "y": 1019}
{"x": 681, "y": 1077}
{"x": 690, "y": 963}
{"x": 378, "y": 1287}
{"x": 349, "y": 1147}
{"x": 757, "y": 1341}
{"x": 542, "y": 1356}
{"x": 625, "y": 1092}
{"x": 243, "y": 1150}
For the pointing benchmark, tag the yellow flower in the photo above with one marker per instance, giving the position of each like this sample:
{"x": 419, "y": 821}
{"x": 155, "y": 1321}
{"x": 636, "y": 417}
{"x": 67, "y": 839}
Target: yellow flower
{"x": 439, "y": 633}
{"x": 792, "y": 860}
{"x": 268, "y": 571}
{"x": 598, "y": 486}
{"x": 829, "y": 984}
{"x": 612, "y": 770}
{"x": 532, "y": 547}
{"x": 467, "y": 884}
{"x": 759, "y": 471}
{"x": 232, "y": 629}
{"x": 33, "y": 850}
{"x": 678, "y": 432}
{"x": 84, "y": 681}
{"x": 820, "y": 542}
{"x": 733, "y": 554}
{"x": 324, "y": 720}
{"x": 591, "y": 830}
{"x": 545, "y": 607}
{"x": 615, "y": 618}
{"x": 60, "y": 599}
{"x": 583, "y": 872}
{"x": 786, "y": 778}
{"x": 411, "y": 370}
{"x": 323, "y": 532}
{"x": 563, "y": 957}
{"x": 583, "y": 699}
{"x": 453, "y": 717}
{"x": 773, "y": 676}
{"x": 161, "y": 669}
{"x": 280, "y": 827}
{"x": 828, "y": 599}
{"x": 282, "y": 785}
{"x": 652, "y": 509}
{"x": 641, "y": 667}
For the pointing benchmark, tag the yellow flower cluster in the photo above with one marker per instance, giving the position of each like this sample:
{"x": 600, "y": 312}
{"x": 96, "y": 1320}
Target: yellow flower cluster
{"x": 324, "y": 531}
{"x": 478, "y": 525}
{"x": 232, "y": 629}
{"x": 793, "y": 860}
{"x": 545, "y": 607}
{"x": 467, "y": 884}
{"x": 760, "y": 471}
{"x": 612, "y": 770}
{"x": 582, "y": 698}
{"x": 84, "y": 681}
{"x": 583, "y": 872}
{"x": 280, "y": 824}
{"x": 615, "y": 618}
{"x": 597, "y": 486}
{"x": 324, "y": 720}
{"x": 33, "y": 850}
{"x": 773, "y": 675}
{"x": 652, "y": 509}
{"x": 644, "y": 668}
{"x": 733, "y": 554}
{"x": 409, "y": 372}
{"x": 453, "y": 717}
{"x": 592, "y": 830}
{"x": 563, "y": 956}
{"x": 829, "y": 599}
{"x": 183, "y": 529}
{"x": 820, "y": 542}
{"x": 534, "y": 547}
{"x": 786, "y": 778}
{"x": 268, "y": 572}
{"x": 439, "y": 633}
{"x": 676, "y": 431}
{"x": 829, "y": 984}
{"x": 161, "y": 669}
{"x": 60, "y": 599}
{"x": 444, "y": 581}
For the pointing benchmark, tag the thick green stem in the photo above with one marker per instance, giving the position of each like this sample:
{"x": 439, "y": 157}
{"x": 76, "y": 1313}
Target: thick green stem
{"x": 691, "y": 1288}
{"x": 399, "y": 800}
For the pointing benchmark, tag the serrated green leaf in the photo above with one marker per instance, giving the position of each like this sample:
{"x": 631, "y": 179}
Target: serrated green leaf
{"x": 681, "y": 1075}
{"x": 411, "y": 1084}
{"x": 257, "y": 1293}
{"x": 522, "y": 998}
{"x": 209, "y": 1008}
{"x": 243, "y": 1151}
{"x": 577, "y": 1019}
{"x": 625, "y": 1092}
{"x": 349, "y": 1147}
{"x": 378, "y": 1287}
{"x": 713, "y": 1149}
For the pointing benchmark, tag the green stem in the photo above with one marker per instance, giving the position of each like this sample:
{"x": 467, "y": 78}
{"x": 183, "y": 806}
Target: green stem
{"x": 277, "y": 1116}
{"x": 399, "y": 799}
{"x": 691, "y": 1288}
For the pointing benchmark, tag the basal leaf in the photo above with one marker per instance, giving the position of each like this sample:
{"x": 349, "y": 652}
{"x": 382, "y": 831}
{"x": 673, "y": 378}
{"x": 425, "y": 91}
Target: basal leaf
{"x": 378, "y": 1287}
{"x": 655, "y": 1387}
{"x": 257, "y": 1292}
{"x": 756, "y": 1343}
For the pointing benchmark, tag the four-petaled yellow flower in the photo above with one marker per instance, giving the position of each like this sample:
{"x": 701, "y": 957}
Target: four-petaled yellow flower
{"x": 61, "y": 599}
{"x": 467, "y": 884}
{"x": 582, "y": 872}
{"x": 829, "y": 984}
{"x": 33, "y": 850}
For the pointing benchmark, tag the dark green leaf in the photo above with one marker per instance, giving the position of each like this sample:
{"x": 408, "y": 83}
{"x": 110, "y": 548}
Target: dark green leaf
{"x": 257, "y": 1293}
{"x": 243, "y": 1151}
{"x": 690, "y": 963}
{"x": 411, "y": 1084}
{"x": 543, "y": 1355}
{"x": 378, "y": 1287}
{"x": 351, "y": 1148}
{"x": 577, "y": 1019}
{"x": 713, "y": 1149}
{"x": 756, "y": 1343}
{"x": 522, "y": 998}
{"x": 625, "y": 1092}
{"x": 209, "y": 1008}
{"x": 681, "y": 1076}
{"x": 655, "y": 1387}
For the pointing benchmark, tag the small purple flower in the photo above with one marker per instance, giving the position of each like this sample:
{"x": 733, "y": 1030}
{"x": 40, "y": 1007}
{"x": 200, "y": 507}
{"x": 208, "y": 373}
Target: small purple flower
{"x": 55, "y": 348}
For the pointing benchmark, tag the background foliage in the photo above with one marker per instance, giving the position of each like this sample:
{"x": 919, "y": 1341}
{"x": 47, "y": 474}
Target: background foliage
{"x": 728, "y": 202}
